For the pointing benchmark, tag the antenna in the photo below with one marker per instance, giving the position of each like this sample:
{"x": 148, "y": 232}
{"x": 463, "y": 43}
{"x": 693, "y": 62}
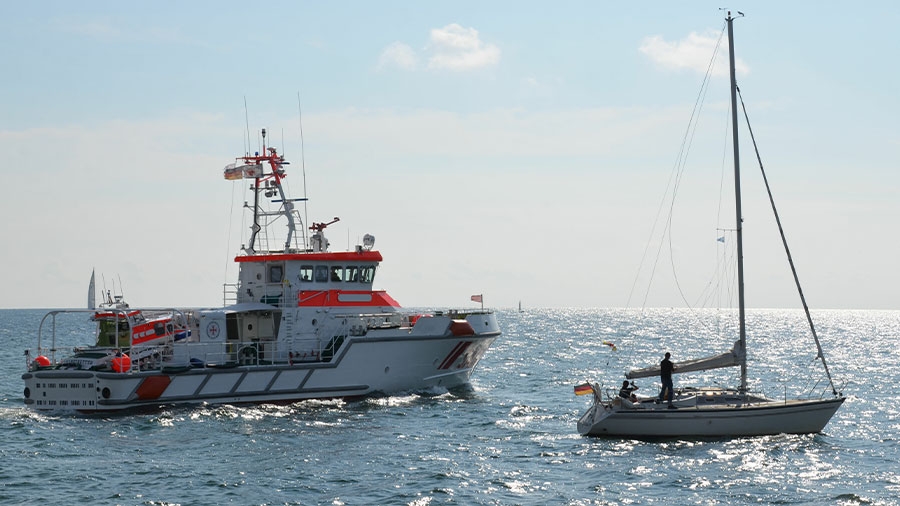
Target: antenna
{"x": 246, "y": 127}
{"x": 303, "y": 169}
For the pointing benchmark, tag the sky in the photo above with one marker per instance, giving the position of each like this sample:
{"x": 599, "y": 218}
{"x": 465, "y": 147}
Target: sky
{"x": 519, "y": 150}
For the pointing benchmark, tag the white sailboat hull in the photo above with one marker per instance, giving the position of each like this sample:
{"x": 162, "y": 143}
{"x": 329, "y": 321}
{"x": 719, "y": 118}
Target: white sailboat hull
{"x": 753, "y": 419}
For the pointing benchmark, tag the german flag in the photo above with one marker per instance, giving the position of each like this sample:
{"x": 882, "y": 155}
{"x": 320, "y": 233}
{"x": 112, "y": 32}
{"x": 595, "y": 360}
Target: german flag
{"x": 583, "y": 389}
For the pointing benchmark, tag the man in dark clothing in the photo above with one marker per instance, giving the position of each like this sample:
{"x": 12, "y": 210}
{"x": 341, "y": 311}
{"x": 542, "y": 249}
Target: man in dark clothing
{"x": 665, "y": 375}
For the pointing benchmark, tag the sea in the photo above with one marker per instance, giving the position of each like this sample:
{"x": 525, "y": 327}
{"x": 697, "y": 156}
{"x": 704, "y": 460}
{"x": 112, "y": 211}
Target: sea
{"x": 509, "y": 438}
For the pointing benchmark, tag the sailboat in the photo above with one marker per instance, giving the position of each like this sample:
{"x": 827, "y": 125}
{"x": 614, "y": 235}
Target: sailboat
{"x": 713, "y": 412}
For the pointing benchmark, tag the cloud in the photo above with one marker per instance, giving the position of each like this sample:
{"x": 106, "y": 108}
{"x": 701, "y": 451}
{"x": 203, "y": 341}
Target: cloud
{"x": 452, "y": 47}
{"x": 692, "y": 53}
{"x": 456, "y": 48}
{"x": 399, "y": 55}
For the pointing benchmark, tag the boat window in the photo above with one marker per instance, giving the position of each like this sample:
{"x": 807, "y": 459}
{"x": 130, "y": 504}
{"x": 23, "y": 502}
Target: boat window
{"x": 367, "y": 274}
{"x": 321, "y": 274}
{"x": 306, "y": 273}
{"x": 276, "y": 273}
{"x": 337, "y": 273}
{"x": 351, "y": 274}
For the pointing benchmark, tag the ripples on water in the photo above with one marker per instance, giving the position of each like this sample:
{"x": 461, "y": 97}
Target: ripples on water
{"x": 509, "y": 439}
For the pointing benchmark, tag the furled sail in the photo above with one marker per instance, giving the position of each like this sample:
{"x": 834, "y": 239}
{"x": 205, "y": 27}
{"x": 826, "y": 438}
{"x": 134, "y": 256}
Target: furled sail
{"x": 729, "y": 359}
{"x": 91, "y": 302}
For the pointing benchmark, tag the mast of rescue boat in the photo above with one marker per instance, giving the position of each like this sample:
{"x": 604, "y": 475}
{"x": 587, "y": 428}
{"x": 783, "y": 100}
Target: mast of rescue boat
{"x": 277, "y": 162}
{"x": 255, "y": 228}
{"x": 737, "y": 205}
{"x": 272, "y": 185}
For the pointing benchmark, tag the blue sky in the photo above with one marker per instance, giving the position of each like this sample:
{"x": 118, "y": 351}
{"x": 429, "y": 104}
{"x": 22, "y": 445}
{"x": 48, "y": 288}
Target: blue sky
{"x": 515, "y": 149}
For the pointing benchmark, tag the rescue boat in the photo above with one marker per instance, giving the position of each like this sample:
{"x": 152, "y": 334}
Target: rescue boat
{"x": 301, "y": 322}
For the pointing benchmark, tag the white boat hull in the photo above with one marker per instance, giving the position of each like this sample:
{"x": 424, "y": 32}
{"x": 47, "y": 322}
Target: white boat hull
{"x": 754, "y": 419}
{"x": 363, "y": 366}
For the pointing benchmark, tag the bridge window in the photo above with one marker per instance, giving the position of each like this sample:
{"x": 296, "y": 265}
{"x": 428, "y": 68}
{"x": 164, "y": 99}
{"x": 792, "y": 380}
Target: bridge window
{"x": 276, "y": 273}
{"x": 306, "y": 273}
{"x": 321, "y": 274}
{"x": 351, "y": 274}
{"x": 367, "y": 274}
{"x": 337, "y": 273}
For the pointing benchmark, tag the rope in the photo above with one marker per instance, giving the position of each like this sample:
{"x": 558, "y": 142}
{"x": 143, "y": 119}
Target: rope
{"x": 787, "y": 250}
{"x": 674, "y": 182}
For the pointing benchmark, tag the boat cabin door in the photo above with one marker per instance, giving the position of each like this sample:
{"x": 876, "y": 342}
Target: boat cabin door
{"x": 256, "y": 326}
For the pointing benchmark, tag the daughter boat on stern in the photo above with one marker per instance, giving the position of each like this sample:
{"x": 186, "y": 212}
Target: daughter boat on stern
{"x": 301, "y": 322}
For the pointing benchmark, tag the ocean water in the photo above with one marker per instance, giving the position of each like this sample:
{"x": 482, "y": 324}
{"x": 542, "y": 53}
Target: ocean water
{"x": 509, "y": 439}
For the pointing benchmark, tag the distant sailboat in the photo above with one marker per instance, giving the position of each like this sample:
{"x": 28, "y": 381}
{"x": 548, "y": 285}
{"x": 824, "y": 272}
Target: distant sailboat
{"x": 91, "y": 299}
{"x": 520, "y": 306}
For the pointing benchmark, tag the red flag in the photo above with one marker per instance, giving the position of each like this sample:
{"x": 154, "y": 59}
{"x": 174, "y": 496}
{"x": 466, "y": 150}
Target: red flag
{"x": 477, "y": 298}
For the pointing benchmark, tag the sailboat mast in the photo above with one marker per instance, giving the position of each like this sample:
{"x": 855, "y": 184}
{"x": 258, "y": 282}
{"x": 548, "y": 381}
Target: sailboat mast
{"x": 737, "y": 205}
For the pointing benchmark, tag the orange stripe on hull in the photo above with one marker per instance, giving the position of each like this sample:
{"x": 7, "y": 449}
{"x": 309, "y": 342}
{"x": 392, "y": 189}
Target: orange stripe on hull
{"x": 153, "y": 386}
{"x": 343, "y": 298}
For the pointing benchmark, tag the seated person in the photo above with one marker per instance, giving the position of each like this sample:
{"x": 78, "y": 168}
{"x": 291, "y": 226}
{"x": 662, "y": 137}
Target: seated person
{"x": 627, "y": 391}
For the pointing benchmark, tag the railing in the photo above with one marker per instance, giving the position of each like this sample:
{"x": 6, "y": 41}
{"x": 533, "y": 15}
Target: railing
{"x": 229, "y": 294}
{"x": 157, "y": 352}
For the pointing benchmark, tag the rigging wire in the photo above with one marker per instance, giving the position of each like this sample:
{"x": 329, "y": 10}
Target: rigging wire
{"x": 713, "y": 286}
{"x": 705, "y": 89}
{"x": 228, "y": 235}
{"x": 245, "y": 139}
{"x": 674, "y": 183}
{"x": 303, "y": 168}
{"x": 787, "y": 250}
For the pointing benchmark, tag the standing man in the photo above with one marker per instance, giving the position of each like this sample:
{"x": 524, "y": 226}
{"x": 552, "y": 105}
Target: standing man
{"x": 665, "y": 375}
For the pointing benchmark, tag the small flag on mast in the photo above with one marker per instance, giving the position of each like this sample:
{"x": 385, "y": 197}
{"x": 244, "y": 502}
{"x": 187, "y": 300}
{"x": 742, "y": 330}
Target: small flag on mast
{"x": 477, "y": 298}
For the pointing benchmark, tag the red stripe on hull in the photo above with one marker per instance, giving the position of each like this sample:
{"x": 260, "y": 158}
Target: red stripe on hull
{"x": 451, "y": 358}
{"x": 339, "y": 256}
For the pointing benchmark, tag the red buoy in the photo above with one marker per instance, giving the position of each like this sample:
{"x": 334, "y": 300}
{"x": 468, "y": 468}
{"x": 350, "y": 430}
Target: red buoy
{"x": 121, "y": 363}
